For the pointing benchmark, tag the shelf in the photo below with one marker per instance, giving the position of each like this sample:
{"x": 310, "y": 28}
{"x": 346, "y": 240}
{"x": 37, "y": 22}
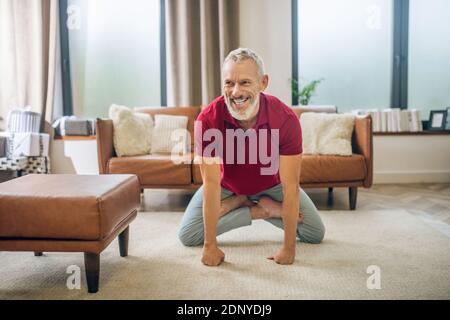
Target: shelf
{"x": 420, "y": 133}
{"x": 75, "y": 138}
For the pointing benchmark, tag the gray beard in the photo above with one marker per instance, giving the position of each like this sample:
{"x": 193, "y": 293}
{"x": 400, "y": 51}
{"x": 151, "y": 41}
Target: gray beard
{"x": 248, "y": 113}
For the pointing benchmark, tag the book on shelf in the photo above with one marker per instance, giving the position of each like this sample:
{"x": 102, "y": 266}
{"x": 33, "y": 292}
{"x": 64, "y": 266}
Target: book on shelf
{"x": 404, "y": 120}
{"x": 415, "y": 123}
{"x": 393, "y": 119}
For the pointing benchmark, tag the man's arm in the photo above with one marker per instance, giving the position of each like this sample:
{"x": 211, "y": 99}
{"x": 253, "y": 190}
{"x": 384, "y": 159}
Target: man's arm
{"x": 290, "y": 178}
{"x": 210, "y": 170}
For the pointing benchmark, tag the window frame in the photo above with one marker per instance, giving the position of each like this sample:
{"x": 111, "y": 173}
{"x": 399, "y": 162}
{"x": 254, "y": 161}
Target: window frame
{"x": 399, "y": 92}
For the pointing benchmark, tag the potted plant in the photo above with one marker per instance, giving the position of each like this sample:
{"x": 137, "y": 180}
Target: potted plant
{"x": 304, "y": 95}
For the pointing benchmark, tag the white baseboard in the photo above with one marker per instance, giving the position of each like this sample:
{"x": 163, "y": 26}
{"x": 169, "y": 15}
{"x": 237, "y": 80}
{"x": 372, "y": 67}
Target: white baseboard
{"x": 380, "y": 177}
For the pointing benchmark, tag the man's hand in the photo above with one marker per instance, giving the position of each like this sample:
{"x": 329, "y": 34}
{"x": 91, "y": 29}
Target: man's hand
{"x": 212, "y": 256}
{"x": 283, "y": 256}
{"x": 289, "y": 176}
{"x": 210, "y": 170}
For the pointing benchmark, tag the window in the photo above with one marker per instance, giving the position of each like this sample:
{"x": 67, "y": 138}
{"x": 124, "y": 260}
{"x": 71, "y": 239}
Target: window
{"x": 429, "y": 55}
{"x": 348, "y": 43}
{"x": 113, "y": 54}
{"x": 374, "y": 53}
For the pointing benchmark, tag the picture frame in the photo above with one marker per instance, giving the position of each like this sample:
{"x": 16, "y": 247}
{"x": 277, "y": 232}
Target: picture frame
{"x": 447, "y": 121}
{"x": 437, "y": 120}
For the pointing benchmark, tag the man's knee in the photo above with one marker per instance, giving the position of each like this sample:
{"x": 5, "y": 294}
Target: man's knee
{"x": 313, "y": 235}
{"x": 318, "y": 236}
{"x": 190, "y": 238}
{"x": 191, "y": 228}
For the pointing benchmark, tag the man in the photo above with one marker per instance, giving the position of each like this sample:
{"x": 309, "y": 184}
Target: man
{"x": 235, "y": 192}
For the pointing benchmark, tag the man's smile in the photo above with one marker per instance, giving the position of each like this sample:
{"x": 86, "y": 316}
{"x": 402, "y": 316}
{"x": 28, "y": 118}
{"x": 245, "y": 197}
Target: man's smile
{"x": 239, "y": 103}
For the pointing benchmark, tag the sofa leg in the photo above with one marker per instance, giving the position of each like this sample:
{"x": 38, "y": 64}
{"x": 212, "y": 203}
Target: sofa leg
{"x": 142, "y": 196}
{"x": 353, "y": 194}
{"x": 330, "y": 198}
{"x": 38, "y": 254}
{"x": 123, "y": 242}
{"x": 92, "y": 266}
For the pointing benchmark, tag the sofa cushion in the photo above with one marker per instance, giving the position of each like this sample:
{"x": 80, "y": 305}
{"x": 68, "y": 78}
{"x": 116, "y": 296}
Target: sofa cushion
{"x": 132, "y": 131}
{"x": 196, "y": 174}
{"x": 327, "y": 134}
{"x": 320, "y": 168}
{"x": 162, "y": 140}
{"x": 155, "y": 169}
{"x": 190, "y": 112}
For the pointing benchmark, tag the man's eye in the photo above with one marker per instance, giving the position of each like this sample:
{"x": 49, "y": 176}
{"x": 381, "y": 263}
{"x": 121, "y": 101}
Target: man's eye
{"x": 245, "y": 83}
{"x": 228, "y": 83}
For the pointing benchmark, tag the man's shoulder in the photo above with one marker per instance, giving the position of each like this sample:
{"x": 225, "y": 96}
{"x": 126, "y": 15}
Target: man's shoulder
{"x": 279, "y": 111}
{"x": 282, "y": 117}
{"x": 213, "y": 110}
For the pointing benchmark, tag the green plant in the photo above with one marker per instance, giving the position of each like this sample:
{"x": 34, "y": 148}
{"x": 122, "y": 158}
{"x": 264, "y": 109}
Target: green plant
{"x": 304, "y": 95}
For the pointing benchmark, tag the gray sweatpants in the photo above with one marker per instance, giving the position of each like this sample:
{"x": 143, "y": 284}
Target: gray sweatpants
{"x": 191, "y": 232}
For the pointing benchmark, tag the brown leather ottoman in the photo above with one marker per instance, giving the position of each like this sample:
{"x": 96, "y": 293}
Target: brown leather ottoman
{"x": 68, "y": 213}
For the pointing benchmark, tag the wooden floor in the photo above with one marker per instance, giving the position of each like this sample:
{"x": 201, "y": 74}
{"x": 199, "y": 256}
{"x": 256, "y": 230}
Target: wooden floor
{"x": 427, "y": 200}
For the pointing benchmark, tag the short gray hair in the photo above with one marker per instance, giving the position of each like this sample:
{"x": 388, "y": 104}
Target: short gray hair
{"x": 242, "y": 54}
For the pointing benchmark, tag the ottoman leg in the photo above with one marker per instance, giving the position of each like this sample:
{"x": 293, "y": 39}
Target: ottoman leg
{"x": 38, "y": 254}
{"x": 123, "y": 242}
{"x": 353, "y": 194}
{"x": 92, "y": 266}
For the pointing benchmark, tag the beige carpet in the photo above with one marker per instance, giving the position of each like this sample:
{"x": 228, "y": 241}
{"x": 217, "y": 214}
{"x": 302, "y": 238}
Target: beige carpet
{"x": 413, "y": 257}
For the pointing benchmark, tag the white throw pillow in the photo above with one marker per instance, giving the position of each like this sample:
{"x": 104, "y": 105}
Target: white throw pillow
{"x": 170, "y": 135}
{"x": 327, "y": 134}
{"x": 132, "y": 131}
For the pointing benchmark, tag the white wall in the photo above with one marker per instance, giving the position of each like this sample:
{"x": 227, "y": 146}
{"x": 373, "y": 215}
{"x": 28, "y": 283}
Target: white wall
{"x": 74, "y": 157}
{"x": 411, "y": 159}
{"x": 265, "y": 27}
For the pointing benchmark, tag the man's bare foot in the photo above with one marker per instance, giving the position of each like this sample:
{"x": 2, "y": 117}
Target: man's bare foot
{"x": 259, "y": 212}
{"x": 274, "y": 208}
{"x": 234, "y": 202}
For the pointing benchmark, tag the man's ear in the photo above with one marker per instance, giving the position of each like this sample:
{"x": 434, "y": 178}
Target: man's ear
{"x": 264, "y": 82}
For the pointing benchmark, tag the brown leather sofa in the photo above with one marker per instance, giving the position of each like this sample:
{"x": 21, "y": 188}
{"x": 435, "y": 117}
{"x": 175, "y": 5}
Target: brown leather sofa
{"x": 318, "y": 171}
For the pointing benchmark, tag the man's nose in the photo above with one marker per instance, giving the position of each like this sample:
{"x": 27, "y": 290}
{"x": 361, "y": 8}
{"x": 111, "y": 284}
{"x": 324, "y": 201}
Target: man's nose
{"x": 236, "y": 90}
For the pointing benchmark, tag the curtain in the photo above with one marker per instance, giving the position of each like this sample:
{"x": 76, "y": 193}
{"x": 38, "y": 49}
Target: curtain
{"x": 199, "y": 35}
{"x": 28, "y": 43}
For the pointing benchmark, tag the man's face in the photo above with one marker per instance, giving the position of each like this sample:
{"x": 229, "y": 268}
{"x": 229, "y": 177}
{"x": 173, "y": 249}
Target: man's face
{"x": 242, "y": 85}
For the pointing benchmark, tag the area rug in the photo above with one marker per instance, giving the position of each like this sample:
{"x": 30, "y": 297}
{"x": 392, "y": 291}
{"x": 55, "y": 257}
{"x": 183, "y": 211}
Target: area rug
{"x": 382, "y": 254}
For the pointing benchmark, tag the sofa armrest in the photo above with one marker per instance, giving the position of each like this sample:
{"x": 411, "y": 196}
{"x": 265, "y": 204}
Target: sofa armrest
{"x": 105, "y": 143}
{"x": 363, "y": 144}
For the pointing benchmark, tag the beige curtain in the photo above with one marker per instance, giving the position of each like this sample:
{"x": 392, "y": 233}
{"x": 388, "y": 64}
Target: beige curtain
{"x": 199, "y": 34}
{"x": 28, "y": 38}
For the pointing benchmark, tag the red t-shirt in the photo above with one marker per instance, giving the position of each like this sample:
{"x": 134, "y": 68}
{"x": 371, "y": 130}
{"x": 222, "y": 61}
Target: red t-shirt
{"x": 243, "y": 161}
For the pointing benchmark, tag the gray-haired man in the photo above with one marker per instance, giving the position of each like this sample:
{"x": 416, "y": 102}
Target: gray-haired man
{"x": 235, "y": 191}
